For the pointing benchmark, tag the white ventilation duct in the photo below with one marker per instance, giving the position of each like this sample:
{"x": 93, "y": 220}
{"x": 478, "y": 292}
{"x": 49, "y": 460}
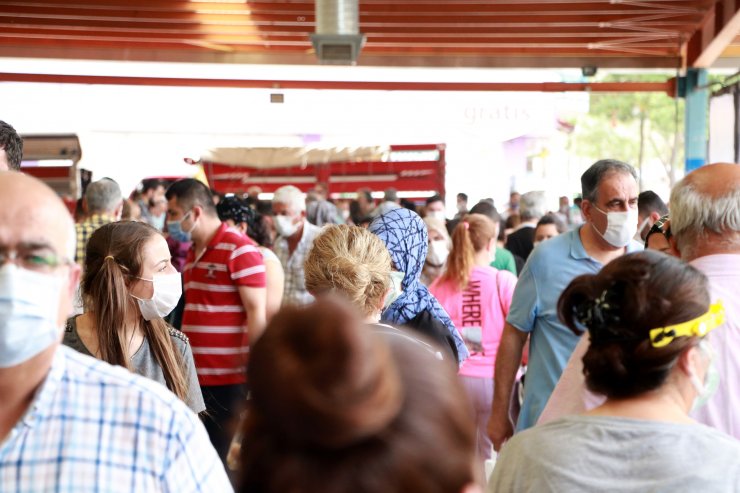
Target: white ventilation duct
{"x": 337, "y": 39}
{"x": 337, "y": 17}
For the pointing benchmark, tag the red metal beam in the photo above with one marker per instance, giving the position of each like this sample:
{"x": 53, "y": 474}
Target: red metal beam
{"x": 667, "y": 86}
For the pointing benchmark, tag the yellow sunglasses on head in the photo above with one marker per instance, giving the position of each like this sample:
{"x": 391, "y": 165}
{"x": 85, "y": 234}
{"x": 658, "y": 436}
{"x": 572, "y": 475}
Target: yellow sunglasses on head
{"x": 699, "y": 326}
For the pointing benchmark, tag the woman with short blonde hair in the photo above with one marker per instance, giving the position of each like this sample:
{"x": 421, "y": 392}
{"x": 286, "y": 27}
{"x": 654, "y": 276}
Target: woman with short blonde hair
{"x": 351, "y": 262}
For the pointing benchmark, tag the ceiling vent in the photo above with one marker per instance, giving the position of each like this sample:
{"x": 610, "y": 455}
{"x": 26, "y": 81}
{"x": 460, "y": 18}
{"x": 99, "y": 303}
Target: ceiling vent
{"x": 337, "y": 40}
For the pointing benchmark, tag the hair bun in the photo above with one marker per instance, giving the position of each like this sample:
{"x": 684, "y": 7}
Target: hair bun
{"x": 601, "y": 316}
{"x": 319, "y": 376}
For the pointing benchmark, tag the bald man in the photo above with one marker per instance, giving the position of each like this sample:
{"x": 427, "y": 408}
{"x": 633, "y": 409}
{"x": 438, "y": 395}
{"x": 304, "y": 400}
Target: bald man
{"x": 705, "y": 223}
{"x": 69, "y": 422}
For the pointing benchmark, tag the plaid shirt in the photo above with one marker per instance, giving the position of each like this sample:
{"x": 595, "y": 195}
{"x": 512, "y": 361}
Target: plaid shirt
{"x": 294, "y": 291}
{"x": 95, "y": 427}
{"x": 85, "y": 229}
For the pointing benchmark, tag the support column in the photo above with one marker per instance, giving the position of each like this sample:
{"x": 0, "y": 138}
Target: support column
{"x": 696, "y": 125}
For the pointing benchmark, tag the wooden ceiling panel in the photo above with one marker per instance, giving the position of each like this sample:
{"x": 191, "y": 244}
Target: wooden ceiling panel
{"x": 527, "y": 33}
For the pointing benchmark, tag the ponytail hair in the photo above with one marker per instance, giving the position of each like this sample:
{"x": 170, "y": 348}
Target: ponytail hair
{"x": 472, "y": 234}
{"x": 113, "y": 259}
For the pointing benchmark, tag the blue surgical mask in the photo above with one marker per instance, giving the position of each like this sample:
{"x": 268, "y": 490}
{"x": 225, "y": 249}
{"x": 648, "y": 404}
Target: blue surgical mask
{"x": 174, "y": 228}
{"x": 158, "y": 221}
{"x": 29, "y": 306}
{"x": 396, "y": 289}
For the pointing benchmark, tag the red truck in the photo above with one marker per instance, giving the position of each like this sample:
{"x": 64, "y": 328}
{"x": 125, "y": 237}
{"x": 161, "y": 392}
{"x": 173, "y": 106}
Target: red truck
{"x": 417, "y": 170}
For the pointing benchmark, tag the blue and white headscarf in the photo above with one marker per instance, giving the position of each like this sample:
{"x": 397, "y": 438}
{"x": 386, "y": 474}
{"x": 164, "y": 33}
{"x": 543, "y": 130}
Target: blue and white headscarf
{"x": 405, "y": 235}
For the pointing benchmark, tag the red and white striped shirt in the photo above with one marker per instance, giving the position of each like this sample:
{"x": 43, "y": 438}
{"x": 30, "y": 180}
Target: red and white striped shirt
{"x": 214, "y": 317}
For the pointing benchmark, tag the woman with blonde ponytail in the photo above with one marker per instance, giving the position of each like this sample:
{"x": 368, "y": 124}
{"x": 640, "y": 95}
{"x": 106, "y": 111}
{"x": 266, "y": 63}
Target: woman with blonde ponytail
{"x": 477, "y": 298}
{"x": 128, "y": 285}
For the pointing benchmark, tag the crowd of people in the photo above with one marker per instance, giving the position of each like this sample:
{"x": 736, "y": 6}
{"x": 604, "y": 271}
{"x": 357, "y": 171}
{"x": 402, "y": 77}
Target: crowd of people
{"x": 179, "y": 340}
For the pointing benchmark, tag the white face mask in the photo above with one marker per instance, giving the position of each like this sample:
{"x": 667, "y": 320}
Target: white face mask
{"x": 438, "y": 253}
{"x": 29, "y": 308}
{"x": 639, "y": 236}
{"x": 285, "y": 226}
{"x": 167, "y": 292}
{"x": 396, "y": 289}
{"x": 620, "y": 227}
{"x": 438, "y": 215}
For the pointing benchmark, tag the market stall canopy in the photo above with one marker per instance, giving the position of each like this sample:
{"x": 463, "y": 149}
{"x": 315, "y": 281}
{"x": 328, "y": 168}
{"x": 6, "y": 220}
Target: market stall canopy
{"x": 279, "y": 157}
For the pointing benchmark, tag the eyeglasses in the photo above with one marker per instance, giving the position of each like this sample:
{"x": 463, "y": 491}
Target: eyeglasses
{"x": 42, "y": 260}
{"x": 698, "y": 327}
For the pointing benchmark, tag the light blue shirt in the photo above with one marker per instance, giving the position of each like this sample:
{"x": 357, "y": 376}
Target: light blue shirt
{"x": 548, "y": 271}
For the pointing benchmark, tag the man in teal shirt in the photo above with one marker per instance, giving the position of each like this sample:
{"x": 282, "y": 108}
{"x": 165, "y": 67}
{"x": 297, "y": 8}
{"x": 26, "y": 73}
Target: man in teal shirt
{"x": 610, "y": 210}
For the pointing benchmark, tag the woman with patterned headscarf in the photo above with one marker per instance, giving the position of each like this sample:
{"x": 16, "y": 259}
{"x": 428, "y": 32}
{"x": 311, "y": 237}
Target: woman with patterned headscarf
{"x": 405, "y": 235}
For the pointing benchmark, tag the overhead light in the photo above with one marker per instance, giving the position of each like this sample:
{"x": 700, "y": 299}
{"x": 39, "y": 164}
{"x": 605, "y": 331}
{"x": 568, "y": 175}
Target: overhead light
{"x": 589, "y": 71}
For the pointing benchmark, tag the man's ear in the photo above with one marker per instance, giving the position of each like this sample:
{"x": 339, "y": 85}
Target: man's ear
{"x": 654, "y": 216}
{"x": 197, "y": 211}
{"x": 586, "y": 209}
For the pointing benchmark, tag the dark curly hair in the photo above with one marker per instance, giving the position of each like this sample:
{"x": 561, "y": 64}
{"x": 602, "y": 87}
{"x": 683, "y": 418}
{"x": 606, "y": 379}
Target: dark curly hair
{"x": 12, "y": 144}
{"x": 240, "y": 211}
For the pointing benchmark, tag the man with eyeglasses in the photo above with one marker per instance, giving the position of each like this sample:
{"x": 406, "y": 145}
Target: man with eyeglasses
{"x": 69, "y": 422}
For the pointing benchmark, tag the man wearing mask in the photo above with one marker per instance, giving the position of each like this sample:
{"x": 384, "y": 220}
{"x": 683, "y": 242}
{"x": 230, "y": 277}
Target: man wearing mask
{"x": 610, "y": 210}
{"x": 435, "y": 207}
{"x": 295, "y": 237}
{"x": 462, "y": 205}
{"x": 704, "y": 225}
{"x": 69, "y": 422}
{"x": 151, "y": 190}
{"x": 225, "y": 302}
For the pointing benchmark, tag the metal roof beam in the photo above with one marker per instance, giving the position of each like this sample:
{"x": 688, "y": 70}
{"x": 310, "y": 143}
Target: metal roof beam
{"x": 668, "y": 86}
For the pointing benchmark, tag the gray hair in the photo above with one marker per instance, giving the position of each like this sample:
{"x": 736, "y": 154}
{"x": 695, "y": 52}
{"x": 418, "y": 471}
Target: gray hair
{"x": 290, "y": 196}
{"x": 391, "y": 195}
{"x": 103, "y": 196}
{"x": 532, "y": 205}
{"x": 591, "y": 179}
{"x": 694, "y": 213}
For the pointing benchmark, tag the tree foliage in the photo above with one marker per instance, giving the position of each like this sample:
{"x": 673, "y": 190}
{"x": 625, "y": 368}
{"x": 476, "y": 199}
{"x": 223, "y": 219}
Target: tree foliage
{"x": 644, "y": 128}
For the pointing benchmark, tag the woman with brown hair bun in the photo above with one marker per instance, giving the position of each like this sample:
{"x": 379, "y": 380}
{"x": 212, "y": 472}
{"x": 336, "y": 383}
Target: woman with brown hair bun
{"x": 338, "y": 408}
{"x": 128, "y": 285}
{"x": 647, "y": 315}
